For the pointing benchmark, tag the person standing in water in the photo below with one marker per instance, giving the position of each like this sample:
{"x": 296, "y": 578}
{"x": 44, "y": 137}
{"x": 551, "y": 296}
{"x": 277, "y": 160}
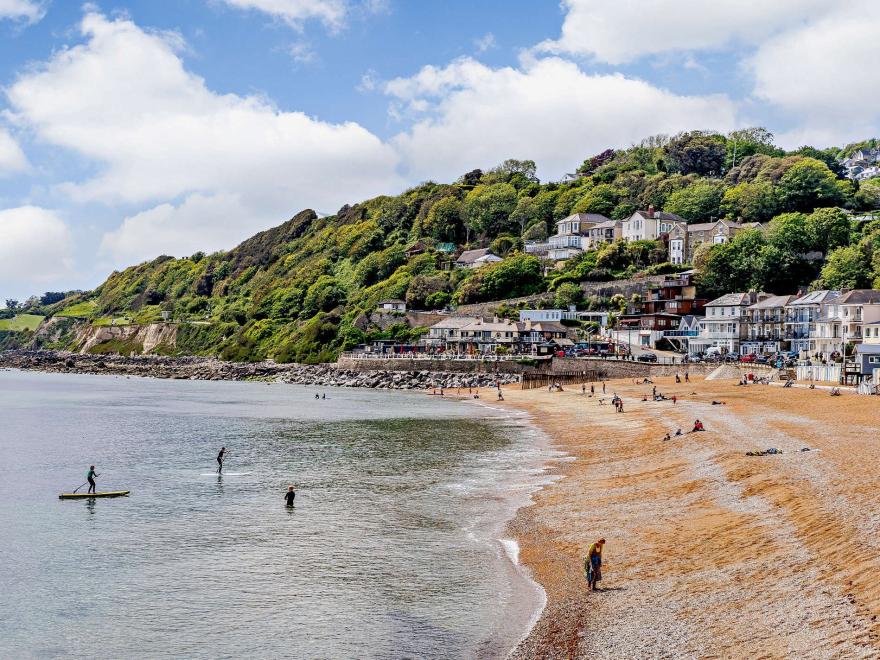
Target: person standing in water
{"x": 90, "y": 477}
{"x": 290, "y": 495}
{"x": 220, "y": 458}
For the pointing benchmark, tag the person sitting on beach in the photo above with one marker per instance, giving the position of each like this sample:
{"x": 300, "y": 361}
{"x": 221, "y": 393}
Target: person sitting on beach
{"x": 835, "y": 391}
{"x": 719, "y": 403}
{"x": 698, "y": 426}
{"x": 678, "y": 432}
{"x": 644, "y": 397}
{"x": 593, "y": 564}
{"x": 667, "y": 437}
{"x": 677, "y": 378}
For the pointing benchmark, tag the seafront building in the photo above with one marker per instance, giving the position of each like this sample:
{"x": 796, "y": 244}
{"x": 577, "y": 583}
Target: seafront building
{"x": 765, "y": 326}
{"x": 801, "y": 316}
{"x": 725, "y": 326}
{"x": 475, "y": 336}
{"x": 649, "y": 225}
{"x": 573, "y": 235}
{"x": 843, "y": 320}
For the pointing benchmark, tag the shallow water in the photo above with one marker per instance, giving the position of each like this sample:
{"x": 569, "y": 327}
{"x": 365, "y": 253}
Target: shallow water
{"x": 392, "y": 549}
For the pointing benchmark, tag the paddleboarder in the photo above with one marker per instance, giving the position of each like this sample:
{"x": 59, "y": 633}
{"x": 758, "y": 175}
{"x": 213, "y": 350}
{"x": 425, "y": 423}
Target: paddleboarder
{"x": 289, "y": 496}
{"x": 220, "y": 457}
{"x": 90, "y": 477}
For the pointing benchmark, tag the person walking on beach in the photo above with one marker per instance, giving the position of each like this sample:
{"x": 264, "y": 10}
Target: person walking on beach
{"x": 592, "y": 389}
{"x": 90, "y": 477}
{"x": 289, "y": 496}
{"x": 221, "y": 456}
{"x": 593, "y": 564}
{"x": 687, "y": 378}
{"x": 603, "y": 387}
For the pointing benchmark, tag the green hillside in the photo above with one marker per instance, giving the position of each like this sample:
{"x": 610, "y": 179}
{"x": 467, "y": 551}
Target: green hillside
{"x": 299, "y": 291}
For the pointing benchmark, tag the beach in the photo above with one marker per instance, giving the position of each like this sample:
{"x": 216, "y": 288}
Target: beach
{"x": 710, "y": 553}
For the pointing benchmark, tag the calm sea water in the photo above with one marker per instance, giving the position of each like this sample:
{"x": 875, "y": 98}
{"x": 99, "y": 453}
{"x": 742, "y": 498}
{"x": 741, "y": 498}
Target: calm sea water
{"x": 392, "y": 549}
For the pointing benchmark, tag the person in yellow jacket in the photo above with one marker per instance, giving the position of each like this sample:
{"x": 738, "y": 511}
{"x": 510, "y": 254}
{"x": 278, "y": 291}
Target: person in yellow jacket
{"x": 593, "y": 564}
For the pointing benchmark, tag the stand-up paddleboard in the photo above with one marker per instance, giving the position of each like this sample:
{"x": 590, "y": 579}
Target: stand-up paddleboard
{"x": 82, "y": 496}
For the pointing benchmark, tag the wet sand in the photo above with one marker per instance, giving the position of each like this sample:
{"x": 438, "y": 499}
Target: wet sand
{"x": 710, "y": 553}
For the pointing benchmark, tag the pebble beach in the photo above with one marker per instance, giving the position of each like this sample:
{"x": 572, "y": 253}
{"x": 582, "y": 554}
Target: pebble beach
{"x": 710, "y": 552}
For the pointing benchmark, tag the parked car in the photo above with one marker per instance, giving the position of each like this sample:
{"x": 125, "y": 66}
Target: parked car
{"x": 762, "y": 359}
{"x": 751, "y": 357}
{"x": 647, "y": 357}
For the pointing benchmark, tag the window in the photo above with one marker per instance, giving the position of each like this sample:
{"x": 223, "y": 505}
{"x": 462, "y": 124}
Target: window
{"x": 719, "y": 239}
{"x": 874, "y": 359}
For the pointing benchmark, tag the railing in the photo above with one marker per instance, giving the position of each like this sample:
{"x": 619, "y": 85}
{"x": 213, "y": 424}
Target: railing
{"x": 681, "y": 333}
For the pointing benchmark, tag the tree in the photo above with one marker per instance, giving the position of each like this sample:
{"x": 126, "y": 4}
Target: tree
{"x": 747, "y": 142}
{"x": 827, "y": 156}
{"x": 520, "y": 173}
{"x": 697, "y": 152}
{"x": 601, "y": 199}
{"x": 750, "y": 201}
{"x": 443, "y": 221}
{"x": 590, "y": 165}
{"x": 618, "y": 302}
{"x": 868, "y": 195}
{"x": 519, "y": 275}
{"x": 11, "y": 304}
{"x": 537, "y": 232}
{"x": 567, "y": 294}
{"x": 699, "y": 202}
{"x": 809, "y": 184}
{"x": 845, "y": 268}
{"x": 828, "y": 228}
{"x": 487, "y": 209}
{"x": 471, "y": 178}
{"x": 422, "y": 288}
{"x": 788, "y": 231}
{"x": 51, "y": 297}
{"x": 532, "y": 210}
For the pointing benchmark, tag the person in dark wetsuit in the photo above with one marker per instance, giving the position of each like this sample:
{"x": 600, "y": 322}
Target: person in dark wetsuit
{"x": 289, "y": 496}
{"x": 90, "y": 477}
{"x": 220, "y": 458}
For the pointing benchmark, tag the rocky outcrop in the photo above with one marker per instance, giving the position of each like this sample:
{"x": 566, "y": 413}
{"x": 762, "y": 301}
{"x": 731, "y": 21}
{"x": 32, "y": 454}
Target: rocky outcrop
{"x": 198, "y": 368}
{"x": 136, "y": 338}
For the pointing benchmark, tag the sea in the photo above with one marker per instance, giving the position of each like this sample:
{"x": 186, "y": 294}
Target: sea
{"x": 395, "y": 547}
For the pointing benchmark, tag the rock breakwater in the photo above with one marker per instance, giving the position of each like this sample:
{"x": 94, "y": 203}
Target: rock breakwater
{"x": 201, "y": 368}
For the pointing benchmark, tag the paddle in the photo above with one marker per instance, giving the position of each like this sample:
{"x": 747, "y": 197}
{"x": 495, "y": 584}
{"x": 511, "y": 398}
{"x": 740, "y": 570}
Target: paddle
{"x": 78, "y": 487}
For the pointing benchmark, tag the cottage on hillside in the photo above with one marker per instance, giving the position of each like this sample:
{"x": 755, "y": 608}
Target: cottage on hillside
{"x": 392, "y": 305}
{"x": 476, "y": 258}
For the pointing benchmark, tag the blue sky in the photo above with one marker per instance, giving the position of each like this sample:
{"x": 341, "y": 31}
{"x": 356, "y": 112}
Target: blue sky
{"x": 130, "y": 129}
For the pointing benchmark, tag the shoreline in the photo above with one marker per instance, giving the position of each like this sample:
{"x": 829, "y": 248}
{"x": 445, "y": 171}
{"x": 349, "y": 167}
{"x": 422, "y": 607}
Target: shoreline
{"x": 710, "y": 552}
{"x": 213, "y": 369}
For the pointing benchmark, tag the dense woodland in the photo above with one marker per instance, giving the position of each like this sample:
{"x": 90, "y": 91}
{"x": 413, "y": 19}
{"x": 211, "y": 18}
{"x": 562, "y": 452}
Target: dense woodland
{"x": 296, "y": 292}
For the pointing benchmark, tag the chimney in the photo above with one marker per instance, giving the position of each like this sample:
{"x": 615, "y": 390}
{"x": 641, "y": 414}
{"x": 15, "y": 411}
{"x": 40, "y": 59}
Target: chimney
{"x": 650, "y": 210}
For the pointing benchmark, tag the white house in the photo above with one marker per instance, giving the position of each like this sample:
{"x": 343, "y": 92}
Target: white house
{"x": 573, "y": 235}
{"x": 476, "y": 258}
{"x": 844, "y": 320}
{"x": 725, "y": 325}
{"x": 559, "y": 314}
{"x": 801, "y": 316}
{"x": 649, "y": 225}
{"x": 392, "y": 305}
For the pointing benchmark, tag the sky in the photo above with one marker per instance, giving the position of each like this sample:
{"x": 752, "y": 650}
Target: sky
{"x": 131, "y": 129}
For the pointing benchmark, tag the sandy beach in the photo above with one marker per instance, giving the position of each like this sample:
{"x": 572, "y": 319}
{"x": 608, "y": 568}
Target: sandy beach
{"x": 710, "y": 553}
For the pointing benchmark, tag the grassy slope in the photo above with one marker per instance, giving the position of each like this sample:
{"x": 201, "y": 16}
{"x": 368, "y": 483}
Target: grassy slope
{"x": 21, "y": 322}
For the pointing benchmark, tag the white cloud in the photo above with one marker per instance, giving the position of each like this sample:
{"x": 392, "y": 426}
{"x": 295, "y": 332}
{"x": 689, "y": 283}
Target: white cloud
{"x": 626, "y": 30}
{"x": 294, "y": 12}
{"x": 12, "y": 158}
{"x": 548, "y": 110}
{"x": 29, "y": 11}
{"x": 302, "y": 52}
{"x": 36, "y": 249}
{"x": 825, "y": 74}
{"x": 486, "y": 42}
{"x": 124, "y": 100}
{"x": 200, "y": 222}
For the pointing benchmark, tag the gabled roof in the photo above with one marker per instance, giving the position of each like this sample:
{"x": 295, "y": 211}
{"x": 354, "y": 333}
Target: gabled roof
{"x": 608, "y": 224}
{"x": 815, "y": 297}
{"x": 392, "y": 301}
{"x": 772, "y": 301}
{"x": 591, "y": 218}
{"x": 455, "y": 322}
{"x": 730, "y": 299}
{"x": 873, "y": 349}
{"x": 470, "y": 256}
{"x": 860, "y": 297}
{"x": 660, "y": 215}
